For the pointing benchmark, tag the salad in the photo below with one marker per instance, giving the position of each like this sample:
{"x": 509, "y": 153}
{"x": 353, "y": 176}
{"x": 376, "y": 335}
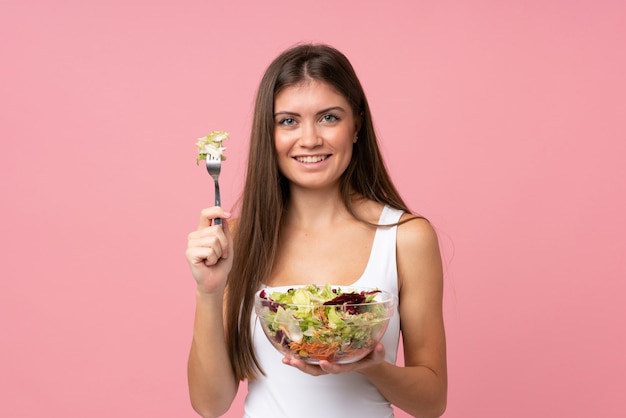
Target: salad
{"x": 211, "y": 145}
{"x": 324, "y": 322}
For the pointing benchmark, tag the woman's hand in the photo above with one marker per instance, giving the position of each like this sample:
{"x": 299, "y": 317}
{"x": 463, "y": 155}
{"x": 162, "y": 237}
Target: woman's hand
{"x": 376, "y": 357}
{"x": 209, "y": 251}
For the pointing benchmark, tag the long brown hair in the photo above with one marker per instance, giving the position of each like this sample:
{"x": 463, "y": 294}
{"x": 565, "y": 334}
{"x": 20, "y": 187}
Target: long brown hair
{"x": 266, "y": 191}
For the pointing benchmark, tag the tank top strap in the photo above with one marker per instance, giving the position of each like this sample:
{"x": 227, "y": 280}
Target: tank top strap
{"x": 390, "y": 215}
{"x": 381, "y": 270}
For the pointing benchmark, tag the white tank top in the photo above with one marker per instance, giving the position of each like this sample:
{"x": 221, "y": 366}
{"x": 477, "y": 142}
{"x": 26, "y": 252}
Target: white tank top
{"x": 286, "y": 392}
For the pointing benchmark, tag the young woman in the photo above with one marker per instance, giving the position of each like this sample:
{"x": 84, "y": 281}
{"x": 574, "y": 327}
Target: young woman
{"x": 318, "y": 207}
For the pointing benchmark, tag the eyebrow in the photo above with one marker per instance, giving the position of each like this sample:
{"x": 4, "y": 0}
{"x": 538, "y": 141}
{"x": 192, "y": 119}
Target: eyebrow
{"x": 329, "y": 109}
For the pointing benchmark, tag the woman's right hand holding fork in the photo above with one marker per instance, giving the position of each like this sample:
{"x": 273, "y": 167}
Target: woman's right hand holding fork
{"x": 210, "y": 251}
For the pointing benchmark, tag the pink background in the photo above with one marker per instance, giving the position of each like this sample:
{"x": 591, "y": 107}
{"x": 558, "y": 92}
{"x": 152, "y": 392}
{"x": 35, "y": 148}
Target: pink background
{"x": 502, "y": 121}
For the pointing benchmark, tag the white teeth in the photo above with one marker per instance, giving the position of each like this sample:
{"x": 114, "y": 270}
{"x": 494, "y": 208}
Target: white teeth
{"x": 311, "y": 159}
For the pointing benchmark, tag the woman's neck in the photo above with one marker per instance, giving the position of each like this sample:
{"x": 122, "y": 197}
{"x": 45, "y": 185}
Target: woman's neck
{"x": 315, "y": 208}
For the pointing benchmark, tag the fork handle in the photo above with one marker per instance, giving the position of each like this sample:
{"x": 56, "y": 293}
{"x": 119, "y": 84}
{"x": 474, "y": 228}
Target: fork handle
{"x": 217, "y": 221}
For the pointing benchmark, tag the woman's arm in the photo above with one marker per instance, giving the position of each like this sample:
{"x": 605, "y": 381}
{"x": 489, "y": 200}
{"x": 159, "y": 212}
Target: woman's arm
{"x": 420, "y": 388}
{"x": 212, "y": 383}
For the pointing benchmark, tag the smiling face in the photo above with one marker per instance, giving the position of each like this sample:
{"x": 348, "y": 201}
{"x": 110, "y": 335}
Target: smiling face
{"x": 314, "y": 132}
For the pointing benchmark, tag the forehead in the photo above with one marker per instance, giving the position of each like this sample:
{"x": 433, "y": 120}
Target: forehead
{"x": 309, "y": 93}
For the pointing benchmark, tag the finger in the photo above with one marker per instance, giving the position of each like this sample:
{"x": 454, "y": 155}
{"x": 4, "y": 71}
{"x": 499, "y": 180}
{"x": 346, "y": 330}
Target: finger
{"x": 207, "y": 216}
{"x": 334, "y": 368}
{"x": 212, "y": 236}
{"x": 198, "y": 256}
{"x": 303, "y": 366}
{"x": 375, "y": 357}
{"x": 208, "y": 247}
{"x": 209, "y": 239}
{"x": 378, "y": 354}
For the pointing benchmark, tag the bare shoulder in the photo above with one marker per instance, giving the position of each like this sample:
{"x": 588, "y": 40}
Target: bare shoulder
{"x": 419, "y": 257}
{"x": 416, "y": 233}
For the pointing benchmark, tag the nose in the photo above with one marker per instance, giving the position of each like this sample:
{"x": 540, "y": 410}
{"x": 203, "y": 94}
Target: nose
{"x": 310, "y": 137}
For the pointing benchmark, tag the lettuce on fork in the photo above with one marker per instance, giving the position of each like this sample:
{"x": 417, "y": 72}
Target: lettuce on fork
{"x": 211, "y": 145}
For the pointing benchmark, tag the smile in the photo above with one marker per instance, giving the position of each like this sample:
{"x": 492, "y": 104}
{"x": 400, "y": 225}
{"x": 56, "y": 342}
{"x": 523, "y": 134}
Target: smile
{"x": 311, "y": 158}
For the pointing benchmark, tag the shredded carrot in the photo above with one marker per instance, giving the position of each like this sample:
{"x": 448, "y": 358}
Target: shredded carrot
{"x": 322, "y": 315}
{"x": 330, "y": 350}
{"x": 323, "y": 351}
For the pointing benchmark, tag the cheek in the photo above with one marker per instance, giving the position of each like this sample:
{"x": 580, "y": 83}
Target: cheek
{"x": 282, "y": 142}
{"x": 279, "y": 146}
{"x": 347, "y": 153}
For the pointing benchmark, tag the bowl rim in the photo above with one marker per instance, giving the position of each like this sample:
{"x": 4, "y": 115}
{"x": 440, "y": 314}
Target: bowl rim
{"x": 387, "y": 296}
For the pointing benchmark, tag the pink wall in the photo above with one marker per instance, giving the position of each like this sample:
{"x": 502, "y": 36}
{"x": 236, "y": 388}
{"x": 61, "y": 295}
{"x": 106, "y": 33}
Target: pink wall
{"x": 504, "y": 122}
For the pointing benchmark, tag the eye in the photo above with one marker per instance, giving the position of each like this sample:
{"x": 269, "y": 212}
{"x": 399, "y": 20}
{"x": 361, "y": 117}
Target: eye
{"x": 287, "y": 121}
{"x": 330, "y": 118}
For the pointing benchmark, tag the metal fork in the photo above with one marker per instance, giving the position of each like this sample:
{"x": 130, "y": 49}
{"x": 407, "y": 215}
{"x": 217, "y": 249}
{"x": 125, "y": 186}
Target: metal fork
{"x": 213, "y": 166}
